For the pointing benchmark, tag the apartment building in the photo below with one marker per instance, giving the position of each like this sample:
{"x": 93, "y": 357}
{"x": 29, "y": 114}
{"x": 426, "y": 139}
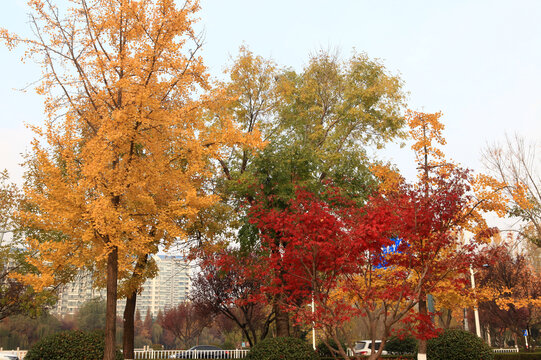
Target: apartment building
{"x": 170, "y": 287}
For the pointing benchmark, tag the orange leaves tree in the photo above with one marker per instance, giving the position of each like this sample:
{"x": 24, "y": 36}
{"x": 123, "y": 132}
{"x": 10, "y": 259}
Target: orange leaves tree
{"x": 122, "y": 161}
{"x": 434, "y": 172}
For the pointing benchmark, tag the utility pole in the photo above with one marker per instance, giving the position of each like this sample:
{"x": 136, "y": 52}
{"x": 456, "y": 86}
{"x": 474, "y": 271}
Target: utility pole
{"x": 475, "y": 308}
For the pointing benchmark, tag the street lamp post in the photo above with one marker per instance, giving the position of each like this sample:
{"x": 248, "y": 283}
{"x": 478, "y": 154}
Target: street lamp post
{"x": 475, "y": 308}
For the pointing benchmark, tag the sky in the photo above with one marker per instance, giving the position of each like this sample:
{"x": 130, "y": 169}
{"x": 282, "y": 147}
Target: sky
{"x": 477, "y": 61}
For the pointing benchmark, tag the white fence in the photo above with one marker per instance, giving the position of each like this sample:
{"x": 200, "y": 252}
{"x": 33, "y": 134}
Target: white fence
{"x": 190, "y": 354}
{"x": 200, "y": 354}
{"x": 506, "y": 350}
{"x": 19, "y": 353}
{"x": 165, "y": 354}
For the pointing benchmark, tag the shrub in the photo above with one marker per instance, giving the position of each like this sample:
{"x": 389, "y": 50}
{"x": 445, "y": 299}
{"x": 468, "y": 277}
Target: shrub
{"x": 282, "y": 348}
{"x": 70, "y": 345}
{"x": 324, "y": 352}
{"x": 456, "y": 344}
{"x": 396, "y": 345}
{"x": 517, "y": 356}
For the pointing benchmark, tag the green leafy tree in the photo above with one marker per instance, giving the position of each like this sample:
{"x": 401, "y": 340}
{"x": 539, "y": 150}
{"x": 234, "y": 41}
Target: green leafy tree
{"x": 91, "y": 315}
{"x": 317, "y": 123}
{"x": 20, "y": 331}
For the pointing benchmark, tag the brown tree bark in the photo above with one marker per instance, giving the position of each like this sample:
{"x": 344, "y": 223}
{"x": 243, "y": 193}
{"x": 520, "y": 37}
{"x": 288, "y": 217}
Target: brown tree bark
{"x": 421, "y": 353}
{"x": 128, "y": 336}
{"x": 110, "y": 319}
{"x": 282, "y": 321}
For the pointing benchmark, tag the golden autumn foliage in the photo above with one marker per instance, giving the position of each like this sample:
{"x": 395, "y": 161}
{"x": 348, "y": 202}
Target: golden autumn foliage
{"x": 434, "y": 170}
{"x": 389, "y": 179}
{"x": 121, "y": 164}
{"x": 426, "y": 131}
{"x": 126, "y": 165}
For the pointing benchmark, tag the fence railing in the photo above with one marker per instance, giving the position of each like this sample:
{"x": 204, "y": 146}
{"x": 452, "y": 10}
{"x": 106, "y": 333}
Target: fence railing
{"x": 19, "y": 353}
{"x": 190, "y": 354}
{"x": 505, "y": 350}
{"x": 201, "y": 354}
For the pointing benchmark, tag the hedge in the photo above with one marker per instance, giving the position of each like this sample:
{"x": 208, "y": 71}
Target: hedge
{"x": 518, "y": 356}
{"x": 70, "y": 345}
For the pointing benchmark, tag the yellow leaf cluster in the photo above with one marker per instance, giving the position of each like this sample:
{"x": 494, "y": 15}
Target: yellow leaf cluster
{"x": 389, "y": 178}
{"x": 426, "y": 131}
{"x": 127, "y": 154}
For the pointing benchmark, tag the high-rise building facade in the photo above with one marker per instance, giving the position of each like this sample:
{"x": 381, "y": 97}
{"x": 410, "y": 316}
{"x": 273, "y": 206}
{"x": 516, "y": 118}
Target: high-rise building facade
{"x": 74, "y": 294}
{"x": 170, "y": 287}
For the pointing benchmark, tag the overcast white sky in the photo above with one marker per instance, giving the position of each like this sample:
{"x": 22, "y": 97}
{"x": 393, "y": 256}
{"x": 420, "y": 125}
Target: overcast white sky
{"x": 478, "y": 61}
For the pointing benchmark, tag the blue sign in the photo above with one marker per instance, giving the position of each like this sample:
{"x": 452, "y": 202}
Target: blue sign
{"x": 389, "y": 249}
{"x": 525, "y": 332}
{"x": 392, "y": 248}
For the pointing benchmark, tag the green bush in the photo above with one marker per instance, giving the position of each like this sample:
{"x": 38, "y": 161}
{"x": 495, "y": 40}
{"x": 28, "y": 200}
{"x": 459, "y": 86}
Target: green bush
{"x": 70, "y": 345}
{"x": 398, "y": 346}
{"x": 324, "y": 352}
{"x": 282, "y": 348}
{"x": 456, "y": 344}
{"x": 384, "y": 357}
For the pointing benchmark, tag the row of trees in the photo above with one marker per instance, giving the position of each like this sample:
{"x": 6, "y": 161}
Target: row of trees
{"x": 266, "y": 175}
{"x": 179, "y": 327}
{"x": 323, "y": 245}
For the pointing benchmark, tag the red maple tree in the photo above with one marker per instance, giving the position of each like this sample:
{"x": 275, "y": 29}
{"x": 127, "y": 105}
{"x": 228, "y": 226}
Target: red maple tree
{"x": 329, "y": 249}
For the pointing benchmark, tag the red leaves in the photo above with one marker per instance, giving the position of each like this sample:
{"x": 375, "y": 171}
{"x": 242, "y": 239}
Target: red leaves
{"x": 306, "y": 241}
{"x": 330, "y": 248}
{"x": 421, "y": 326}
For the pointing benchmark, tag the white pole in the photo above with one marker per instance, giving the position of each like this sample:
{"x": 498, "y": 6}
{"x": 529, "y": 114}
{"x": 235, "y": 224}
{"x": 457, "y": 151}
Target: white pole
{"x": 313, "y": 324}
{"x": 475, "y": 309}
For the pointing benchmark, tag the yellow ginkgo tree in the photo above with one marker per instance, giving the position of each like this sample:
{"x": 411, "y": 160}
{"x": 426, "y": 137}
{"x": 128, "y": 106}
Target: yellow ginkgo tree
{"x": 122, "y": 162}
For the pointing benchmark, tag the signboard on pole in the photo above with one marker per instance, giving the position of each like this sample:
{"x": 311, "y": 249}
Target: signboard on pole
{"x": 389, "y": 249}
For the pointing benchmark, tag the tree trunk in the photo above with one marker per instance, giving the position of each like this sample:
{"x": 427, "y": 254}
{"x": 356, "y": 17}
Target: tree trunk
{"x": 296, "y": 331}
{"x": 110, "y": 318}
{"x": 266, "y": 327}
{"x": 421, "y": 353}
{"x": 128, "y": 336}
{"x": 281, "y": 317}
{"x": 282, "y": 321}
